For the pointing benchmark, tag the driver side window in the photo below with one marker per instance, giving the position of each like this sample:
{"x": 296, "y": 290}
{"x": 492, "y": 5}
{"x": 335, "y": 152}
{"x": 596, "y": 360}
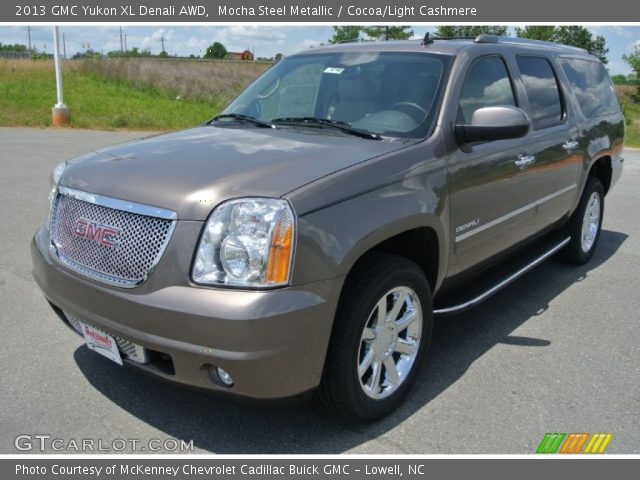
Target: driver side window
{"x": 487, "y": 85}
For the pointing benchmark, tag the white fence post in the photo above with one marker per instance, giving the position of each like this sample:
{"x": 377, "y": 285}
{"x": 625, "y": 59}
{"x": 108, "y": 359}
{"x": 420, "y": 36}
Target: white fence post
{"x": 60, "y": 113}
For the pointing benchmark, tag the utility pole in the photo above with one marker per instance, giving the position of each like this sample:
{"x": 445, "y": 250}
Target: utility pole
{"x": 59, "y": 113}
{"x": 125, "y": 43}
{"x": 29, "y": 34}
{"x": 162, "y": 39}
{"x": 121, "y": 44}
{"x": 64, "y": 47}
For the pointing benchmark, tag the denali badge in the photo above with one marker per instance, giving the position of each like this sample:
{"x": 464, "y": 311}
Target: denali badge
{"x": 472, "y": 223}
{"x": 102, "y": 234}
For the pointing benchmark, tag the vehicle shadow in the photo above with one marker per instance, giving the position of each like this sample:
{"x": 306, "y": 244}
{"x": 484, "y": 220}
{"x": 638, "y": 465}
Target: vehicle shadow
{"x": 223, "y": 426}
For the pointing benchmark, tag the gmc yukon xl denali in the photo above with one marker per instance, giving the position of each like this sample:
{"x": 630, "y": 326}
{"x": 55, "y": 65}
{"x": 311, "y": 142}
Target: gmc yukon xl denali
{"x": 305, "y": 238}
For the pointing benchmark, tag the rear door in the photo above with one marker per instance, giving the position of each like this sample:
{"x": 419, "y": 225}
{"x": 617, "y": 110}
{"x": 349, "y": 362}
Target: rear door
{"x": 554, "y": 146}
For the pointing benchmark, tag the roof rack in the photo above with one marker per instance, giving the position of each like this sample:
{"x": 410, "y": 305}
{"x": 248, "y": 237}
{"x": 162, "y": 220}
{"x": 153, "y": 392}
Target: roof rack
{"x": 453, "y": 38}
{"x": 487, "y": 38}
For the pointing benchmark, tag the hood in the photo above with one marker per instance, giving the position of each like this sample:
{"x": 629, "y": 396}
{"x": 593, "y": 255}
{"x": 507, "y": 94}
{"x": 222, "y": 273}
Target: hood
{"x": 192, "y": 171}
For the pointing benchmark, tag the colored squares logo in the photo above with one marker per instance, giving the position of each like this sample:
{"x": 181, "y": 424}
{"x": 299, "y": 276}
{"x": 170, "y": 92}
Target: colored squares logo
{"x": 574, "y": 443}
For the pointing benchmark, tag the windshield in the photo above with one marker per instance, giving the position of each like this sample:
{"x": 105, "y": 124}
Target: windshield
{"x": 385, "y": 93}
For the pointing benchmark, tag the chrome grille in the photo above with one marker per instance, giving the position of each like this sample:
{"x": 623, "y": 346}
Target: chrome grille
{"x": 123, "y": 243}
{"x": 132, "y": 350}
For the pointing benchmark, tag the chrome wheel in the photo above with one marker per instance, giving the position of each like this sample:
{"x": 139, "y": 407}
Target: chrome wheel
{"x": 389, "y": 342}
{"x": 590, "y": 222}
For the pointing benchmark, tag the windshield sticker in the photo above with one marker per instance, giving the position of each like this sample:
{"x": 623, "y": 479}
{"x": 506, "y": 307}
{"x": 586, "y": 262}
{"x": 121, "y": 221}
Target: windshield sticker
{"x": 334, "y": 70}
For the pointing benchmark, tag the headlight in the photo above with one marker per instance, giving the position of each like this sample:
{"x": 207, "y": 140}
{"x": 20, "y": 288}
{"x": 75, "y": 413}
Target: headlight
{"x": 247, "y": 242}
{"x": 56, "y": 174}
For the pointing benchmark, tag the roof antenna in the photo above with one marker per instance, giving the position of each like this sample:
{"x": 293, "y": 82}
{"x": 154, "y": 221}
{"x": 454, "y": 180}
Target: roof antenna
{"x": 426, "y": 40}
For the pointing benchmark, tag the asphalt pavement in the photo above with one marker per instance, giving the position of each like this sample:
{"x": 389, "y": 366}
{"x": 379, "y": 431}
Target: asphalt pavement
{"x": 557, "y": 351}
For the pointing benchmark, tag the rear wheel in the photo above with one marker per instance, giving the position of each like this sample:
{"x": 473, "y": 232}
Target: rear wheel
{"x": 586, "y": 223}
{"x": 381, "y": 334}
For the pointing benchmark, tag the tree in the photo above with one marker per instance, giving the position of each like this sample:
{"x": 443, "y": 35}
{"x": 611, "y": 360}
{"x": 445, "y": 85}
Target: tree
{"x": 347, "y": 33}
{"x": 579, "y": 36}
{"x": 278, "y": 57}
{"x": 16, "y": 47}
{"x": 388, "y": 32}
{"x": 619, "y": 79}
{"x": 446, "y": 31}
{"x": 216, "y": 50}
{"x": 537, "y": 32}
{"x": 633, "y": 59}
{"x": 575, "y": 36}
{"x": 88, "y": 54}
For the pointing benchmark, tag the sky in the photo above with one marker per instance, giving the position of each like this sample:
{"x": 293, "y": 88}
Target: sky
{"x": 265, "y": 41}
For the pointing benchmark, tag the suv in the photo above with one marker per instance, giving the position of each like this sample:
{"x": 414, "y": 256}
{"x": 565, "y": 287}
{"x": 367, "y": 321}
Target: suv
{"x": 304, "y": 239}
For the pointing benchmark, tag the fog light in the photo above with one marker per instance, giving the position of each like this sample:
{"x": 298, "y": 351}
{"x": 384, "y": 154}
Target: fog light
{"x": 224, "y": 377}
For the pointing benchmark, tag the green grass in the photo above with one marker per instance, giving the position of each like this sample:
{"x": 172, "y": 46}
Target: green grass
{"x": 27, "y": 93}
{"x": 630, "y": 98}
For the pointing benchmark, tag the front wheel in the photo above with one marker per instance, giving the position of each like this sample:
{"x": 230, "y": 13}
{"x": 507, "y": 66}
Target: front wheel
{"x": 585, "y": 223}
{"x": 382, "y": 331}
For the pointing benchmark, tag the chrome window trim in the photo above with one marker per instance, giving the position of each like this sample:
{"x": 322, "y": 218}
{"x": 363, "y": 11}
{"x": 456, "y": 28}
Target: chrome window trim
{"x": 514, "y": 213}
{"x": 115, "y": 204}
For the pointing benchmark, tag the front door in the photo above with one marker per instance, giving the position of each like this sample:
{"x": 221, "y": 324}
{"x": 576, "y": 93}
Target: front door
{"x": 489, "y": 180}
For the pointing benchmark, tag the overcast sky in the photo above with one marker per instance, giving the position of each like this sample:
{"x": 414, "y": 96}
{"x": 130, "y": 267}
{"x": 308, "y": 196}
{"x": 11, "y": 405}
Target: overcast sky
{"x": 266, "y": 40}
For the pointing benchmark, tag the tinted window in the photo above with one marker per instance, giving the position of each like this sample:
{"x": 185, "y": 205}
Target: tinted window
{"x": 542, "y": 91}
{"x": 487, "y": 85}
{"x": 593, "y": 87}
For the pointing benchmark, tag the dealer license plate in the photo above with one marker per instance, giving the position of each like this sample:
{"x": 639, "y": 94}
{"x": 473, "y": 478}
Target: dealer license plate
{"x": 101, "y": 343}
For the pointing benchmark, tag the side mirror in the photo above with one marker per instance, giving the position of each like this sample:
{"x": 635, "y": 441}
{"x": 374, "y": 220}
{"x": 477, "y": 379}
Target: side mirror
{"x": 494, "y": 123}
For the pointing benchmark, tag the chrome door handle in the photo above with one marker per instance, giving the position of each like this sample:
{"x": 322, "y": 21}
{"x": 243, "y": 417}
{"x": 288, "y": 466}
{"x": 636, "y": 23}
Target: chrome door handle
{"x": 570, "y": 144}
{"x": 524, "y": 160}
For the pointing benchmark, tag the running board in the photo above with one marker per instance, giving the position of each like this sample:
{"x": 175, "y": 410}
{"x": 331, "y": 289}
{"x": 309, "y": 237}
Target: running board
{"x": 503, "y": 283}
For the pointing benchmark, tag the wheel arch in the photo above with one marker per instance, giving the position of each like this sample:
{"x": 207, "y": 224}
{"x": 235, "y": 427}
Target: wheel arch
{"x": 419, "y": 244}
{"x": 602, "y": 170}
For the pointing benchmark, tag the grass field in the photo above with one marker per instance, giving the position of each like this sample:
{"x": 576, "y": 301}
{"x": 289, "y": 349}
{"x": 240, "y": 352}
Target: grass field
{"x": 122, "y": 93}
{"x": 630, "y": 97}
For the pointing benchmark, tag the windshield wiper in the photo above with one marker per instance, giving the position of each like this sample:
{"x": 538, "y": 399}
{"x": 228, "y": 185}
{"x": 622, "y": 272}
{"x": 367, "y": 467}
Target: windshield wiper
{"x": 244, "y": 118}
{"x": 327, "y": 122}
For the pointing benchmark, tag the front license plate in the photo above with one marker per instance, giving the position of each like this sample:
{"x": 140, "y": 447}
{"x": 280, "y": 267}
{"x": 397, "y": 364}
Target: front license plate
{"x": 102, "y": 343}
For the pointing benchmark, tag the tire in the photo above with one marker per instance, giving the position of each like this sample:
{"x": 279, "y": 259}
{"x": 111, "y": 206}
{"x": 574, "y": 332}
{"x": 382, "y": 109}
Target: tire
{"x": 360, "y": 396}
{"x": 584, "y": 238}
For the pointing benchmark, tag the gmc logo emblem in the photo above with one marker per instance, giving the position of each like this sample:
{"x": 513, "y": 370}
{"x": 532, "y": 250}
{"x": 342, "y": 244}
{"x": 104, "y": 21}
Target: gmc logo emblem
{"x": 102, "y": 234}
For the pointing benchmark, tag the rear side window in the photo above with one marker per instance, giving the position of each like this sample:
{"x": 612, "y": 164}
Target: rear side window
{"x": 487, "y": 85}
{"x": 542, "y": 91}
{"x": 593, "y": 88}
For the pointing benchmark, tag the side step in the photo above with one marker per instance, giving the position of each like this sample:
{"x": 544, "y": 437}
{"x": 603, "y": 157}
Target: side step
{"x": 496, "y": 287}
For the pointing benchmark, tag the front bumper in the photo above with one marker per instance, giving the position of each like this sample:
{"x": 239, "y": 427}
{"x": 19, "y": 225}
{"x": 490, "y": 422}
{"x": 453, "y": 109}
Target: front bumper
{"x": 273, "y": 343}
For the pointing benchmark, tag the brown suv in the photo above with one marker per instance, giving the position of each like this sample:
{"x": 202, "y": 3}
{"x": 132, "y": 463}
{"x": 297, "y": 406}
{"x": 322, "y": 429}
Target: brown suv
{"x": 305, "y": 238}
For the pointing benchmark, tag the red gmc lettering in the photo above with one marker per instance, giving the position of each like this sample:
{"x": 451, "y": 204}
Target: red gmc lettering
{"x": 102, "y": 234}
